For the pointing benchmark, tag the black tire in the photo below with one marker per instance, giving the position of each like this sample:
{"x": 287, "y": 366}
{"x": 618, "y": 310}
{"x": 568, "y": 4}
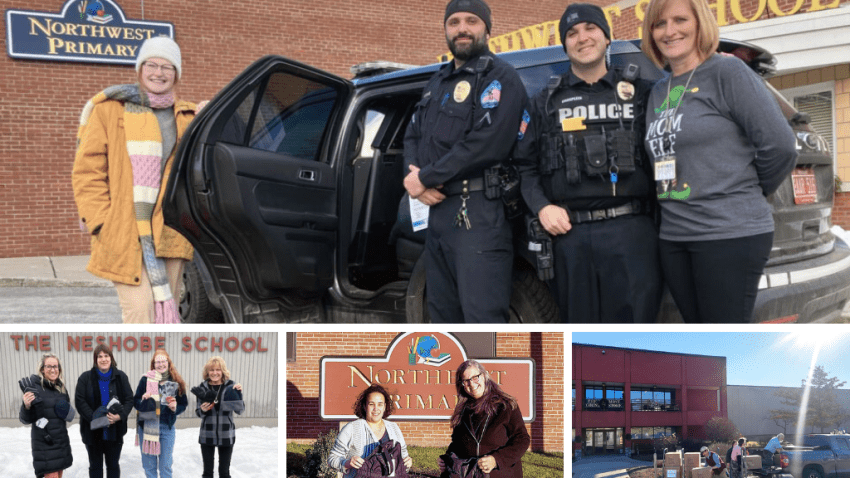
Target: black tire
{"x": 194, "y": 305}
{"x": 531, "y": 301}
{"x": 812, "y": 472}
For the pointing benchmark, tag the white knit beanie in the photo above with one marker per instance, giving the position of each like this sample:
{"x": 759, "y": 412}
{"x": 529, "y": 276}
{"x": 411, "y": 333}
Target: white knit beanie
{"x": 160, "y": 47}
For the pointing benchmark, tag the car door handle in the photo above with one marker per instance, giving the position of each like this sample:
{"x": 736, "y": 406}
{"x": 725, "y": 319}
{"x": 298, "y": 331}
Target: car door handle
{"x": 307, "y": 175}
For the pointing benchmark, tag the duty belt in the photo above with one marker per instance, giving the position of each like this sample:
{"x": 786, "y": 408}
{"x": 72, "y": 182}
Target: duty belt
{"x": 460, "y": 186}
{"x": 578, "y": 217}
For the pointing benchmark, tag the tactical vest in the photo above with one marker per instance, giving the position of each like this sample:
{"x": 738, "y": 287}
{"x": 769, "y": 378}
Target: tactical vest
{"x": 583, "y": 163}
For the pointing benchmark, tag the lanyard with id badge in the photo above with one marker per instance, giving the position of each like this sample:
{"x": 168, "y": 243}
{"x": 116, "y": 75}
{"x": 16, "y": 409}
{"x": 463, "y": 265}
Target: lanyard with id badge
{"x": 665, "y": 168}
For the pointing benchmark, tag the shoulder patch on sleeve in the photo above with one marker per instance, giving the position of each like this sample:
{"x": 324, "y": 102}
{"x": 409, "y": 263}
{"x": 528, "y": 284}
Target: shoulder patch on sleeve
{"x": 492, "y": 95}
{"x": 526, "y": 118}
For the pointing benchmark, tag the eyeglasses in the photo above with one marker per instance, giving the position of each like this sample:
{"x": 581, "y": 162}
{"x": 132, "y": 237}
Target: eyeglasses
{"x": 51, "y": 367}
{"x": 474, "y": 378}
{"x": 161, "y": 362}
{"x": 152, "y": 67}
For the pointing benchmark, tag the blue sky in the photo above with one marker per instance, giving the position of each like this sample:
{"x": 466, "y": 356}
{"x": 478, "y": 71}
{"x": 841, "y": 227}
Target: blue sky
{"x": 752, "y": 358}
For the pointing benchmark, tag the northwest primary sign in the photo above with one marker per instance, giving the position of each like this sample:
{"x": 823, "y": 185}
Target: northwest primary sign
{"x": 92, "y": 31}
{"x": 418, "y": 370}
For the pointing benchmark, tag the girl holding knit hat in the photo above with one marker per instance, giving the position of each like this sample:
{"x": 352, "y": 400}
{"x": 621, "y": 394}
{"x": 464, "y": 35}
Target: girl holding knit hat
{"x": 160, "y": 397}
{"x": 125, "y": 149}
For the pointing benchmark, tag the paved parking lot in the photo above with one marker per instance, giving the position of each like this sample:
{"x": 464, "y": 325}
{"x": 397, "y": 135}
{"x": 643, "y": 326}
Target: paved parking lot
{"x": 605, "y": 466}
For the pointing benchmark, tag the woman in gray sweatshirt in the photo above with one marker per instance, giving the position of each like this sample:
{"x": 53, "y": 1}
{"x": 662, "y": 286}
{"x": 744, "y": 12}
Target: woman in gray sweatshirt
{"x": 719, "y": 145}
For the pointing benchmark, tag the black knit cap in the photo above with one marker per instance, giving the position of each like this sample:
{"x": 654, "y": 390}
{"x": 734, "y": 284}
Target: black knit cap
{"x": 583, "y": 13}
{"x": 477, "y": 7}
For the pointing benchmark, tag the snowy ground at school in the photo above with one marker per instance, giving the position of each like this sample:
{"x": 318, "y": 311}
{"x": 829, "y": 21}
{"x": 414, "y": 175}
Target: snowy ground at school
{"x": 255, "y": 454}
{"x": 844, "y": 235}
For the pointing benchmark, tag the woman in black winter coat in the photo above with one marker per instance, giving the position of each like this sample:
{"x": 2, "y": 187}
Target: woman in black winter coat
{"x": 46, "y": 405}
{"x": 104, "y": 399}
{"x": 487, "y": 428}
{"x": 218, "y": 399}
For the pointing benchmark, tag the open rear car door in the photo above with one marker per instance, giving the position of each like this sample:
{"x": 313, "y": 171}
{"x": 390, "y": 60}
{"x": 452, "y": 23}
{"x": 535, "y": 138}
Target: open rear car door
{"x": 253, "y": 187}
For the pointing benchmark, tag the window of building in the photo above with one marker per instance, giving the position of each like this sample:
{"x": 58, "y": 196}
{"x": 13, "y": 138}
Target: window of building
{"x": 653, "y": 400}
{"x": 641, "y": 433}
{"x": 603, "y": 397}
{"x": 574, "y": 399}
{"x": 290, "y": 347}
{"x": 818, "y": 101}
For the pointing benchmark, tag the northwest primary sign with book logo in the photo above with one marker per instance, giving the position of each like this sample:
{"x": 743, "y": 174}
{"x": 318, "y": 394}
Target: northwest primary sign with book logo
{"x": 92, "y": 31}
{"x": 418, "y": 370}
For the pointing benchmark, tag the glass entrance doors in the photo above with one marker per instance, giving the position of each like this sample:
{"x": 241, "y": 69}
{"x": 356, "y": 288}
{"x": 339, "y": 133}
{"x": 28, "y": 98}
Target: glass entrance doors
{"x": 599, "y": 441}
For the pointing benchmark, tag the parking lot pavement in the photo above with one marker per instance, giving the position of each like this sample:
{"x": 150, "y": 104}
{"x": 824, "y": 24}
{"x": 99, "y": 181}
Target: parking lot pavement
{"x": 59, "y": 305}
{"x": 605, "y": 466}
{"x": 69, "y": 272}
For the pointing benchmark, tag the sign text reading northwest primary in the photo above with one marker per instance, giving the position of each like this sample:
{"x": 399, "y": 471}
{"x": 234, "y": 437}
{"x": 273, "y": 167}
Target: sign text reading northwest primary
{"x": 94, "y": 31}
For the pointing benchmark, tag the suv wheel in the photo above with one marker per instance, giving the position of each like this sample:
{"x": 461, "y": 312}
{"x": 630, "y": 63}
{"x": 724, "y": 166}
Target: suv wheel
{"x": 194, "y": 305}
{"x": 531, "y": 301}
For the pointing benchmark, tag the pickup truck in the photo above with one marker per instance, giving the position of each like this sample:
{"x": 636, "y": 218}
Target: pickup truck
{"x": 819, "y": 456}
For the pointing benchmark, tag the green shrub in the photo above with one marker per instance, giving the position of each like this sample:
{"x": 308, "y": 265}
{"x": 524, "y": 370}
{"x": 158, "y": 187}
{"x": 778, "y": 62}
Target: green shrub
{"x": 316, "y": 457}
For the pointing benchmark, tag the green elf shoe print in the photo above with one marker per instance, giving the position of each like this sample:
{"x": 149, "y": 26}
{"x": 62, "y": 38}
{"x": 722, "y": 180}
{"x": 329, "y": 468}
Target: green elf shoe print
{"x": 672, "y": 100}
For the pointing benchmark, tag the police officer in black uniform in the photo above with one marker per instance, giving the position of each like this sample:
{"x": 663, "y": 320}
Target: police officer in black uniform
{"x": 585, "y": 175}
{"x": 463, "y": 128}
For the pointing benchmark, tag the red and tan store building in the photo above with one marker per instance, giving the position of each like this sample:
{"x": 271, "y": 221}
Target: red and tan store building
{"x": 326, "y": 371}
{"x": 43, "y": 93}
{"x": 625, "y": 397}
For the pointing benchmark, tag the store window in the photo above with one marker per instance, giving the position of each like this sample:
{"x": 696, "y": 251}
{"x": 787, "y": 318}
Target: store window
{"x": 653, "y": 399}
{"x": 643, "y": 433}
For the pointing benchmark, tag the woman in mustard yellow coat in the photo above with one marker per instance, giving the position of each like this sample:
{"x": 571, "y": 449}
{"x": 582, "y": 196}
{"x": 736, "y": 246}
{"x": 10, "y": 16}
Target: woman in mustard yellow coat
{"x": 125, "y": 149}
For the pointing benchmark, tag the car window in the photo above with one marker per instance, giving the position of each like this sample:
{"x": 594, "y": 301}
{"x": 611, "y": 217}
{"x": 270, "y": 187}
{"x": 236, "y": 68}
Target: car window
{"x": 373, "y": 124}
{"x": 535, "y": 77}
{"x": 292, "y": 116}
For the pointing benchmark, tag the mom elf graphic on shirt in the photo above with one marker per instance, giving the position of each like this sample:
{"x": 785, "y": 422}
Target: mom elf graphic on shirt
{"x": 661, "y": 142}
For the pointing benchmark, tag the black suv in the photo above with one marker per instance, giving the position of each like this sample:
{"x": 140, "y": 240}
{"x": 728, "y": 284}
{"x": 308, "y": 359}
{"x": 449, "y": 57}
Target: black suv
{"x": 289, "y": 185}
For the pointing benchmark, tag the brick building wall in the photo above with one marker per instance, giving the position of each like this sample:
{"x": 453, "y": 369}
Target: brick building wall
{"x": 41, "y": 100}
{"x": 303, "y": 424}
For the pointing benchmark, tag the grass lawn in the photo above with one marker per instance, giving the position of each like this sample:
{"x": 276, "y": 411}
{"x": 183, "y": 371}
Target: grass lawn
{"x": 534, "y": 465}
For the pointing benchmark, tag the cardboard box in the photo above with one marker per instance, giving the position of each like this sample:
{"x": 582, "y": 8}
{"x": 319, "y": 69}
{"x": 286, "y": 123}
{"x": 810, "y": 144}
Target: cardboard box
{"x": 753, "y": 461}
{"x": 672, "y": 458}
{"x": 691, "y": 462}
{"x": 701, "y": 472}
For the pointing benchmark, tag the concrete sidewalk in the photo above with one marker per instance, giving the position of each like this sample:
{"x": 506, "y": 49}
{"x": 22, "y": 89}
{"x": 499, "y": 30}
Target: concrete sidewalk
{"x": 67, "y": 271}
{"x": 605, "y": 466}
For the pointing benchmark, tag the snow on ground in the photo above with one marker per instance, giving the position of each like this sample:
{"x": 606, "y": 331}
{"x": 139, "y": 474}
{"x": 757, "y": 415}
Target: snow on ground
{"x": 844, "y": 235}
{"x": 255, "y": 454}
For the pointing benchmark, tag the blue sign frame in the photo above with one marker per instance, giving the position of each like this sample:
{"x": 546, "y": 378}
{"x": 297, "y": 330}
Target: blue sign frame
{"x": 90, "y": 31}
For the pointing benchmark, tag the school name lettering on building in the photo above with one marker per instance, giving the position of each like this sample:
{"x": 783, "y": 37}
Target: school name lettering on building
{"x": 95, "y": 31}
{"x": 418, "y": 371}
{"x": 141, "y": 343}
{"x": 726, "y": 12}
